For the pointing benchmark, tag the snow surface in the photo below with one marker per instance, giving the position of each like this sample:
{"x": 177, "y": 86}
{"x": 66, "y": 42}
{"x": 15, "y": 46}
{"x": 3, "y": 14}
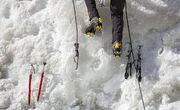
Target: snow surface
{"x": 34, "y": 31}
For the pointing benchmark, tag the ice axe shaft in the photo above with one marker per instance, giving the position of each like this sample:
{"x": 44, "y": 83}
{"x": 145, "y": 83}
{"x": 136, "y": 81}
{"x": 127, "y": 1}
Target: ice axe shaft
{"x": 29, "y": 89}
{"x": 41, "y": 82}
{"x": 40, "y": 86}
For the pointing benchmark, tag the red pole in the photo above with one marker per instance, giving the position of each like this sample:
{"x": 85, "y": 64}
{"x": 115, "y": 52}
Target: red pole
{"x": 29, "y": 91}
{"x": 40, "y": 86}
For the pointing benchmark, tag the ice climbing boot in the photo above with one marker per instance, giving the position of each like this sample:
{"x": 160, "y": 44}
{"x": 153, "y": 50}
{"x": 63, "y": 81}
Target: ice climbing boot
{"x": 95, "y": 25}
{"x": 117, "y": 46}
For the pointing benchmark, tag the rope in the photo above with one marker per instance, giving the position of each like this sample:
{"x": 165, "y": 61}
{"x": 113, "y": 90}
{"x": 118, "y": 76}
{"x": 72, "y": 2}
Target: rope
{"x": 132, "y": 53}
{"x": 140, "y": 90}
{"x": 129, "y": 32}
{"x": 76, "y": 44}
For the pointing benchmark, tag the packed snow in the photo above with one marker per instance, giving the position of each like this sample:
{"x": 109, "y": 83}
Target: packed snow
{"x": 37, "y": 31}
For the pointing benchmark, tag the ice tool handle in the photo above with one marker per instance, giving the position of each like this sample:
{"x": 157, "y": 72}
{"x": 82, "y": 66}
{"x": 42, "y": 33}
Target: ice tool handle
{"x": 41, "y": 81}
{"x": 76, "y": 57}
{"x": 138, "y": 66}
{"x": 32, "y": 70}
{"x": 129, "y": 65}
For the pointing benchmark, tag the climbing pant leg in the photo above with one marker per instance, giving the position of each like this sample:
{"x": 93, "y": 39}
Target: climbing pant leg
{"x": 92, "y": 10}
{"x": 116, "y": 8}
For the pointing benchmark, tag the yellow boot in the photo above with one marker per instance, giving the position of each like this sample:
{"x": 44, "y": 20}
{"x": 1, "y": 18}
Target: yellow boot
{"x": 95, "y": 25}
{"x": 117, "y": 49}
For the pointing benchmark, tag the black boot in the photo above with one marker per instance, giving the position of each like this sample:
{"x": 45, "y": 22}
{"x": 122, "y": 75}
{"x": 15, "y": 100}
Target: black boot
{"x": 95, "y": 25}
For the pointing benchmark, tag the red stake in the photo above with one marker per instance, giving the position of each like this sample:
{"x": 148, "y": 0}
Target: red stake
{"x": 40, "y": 86}
{"x": 29, "y": 91}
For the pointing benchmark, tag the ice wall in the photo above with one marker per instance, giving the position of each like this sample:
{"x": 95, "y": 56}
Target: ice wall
{"x": 34, "y": 31}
